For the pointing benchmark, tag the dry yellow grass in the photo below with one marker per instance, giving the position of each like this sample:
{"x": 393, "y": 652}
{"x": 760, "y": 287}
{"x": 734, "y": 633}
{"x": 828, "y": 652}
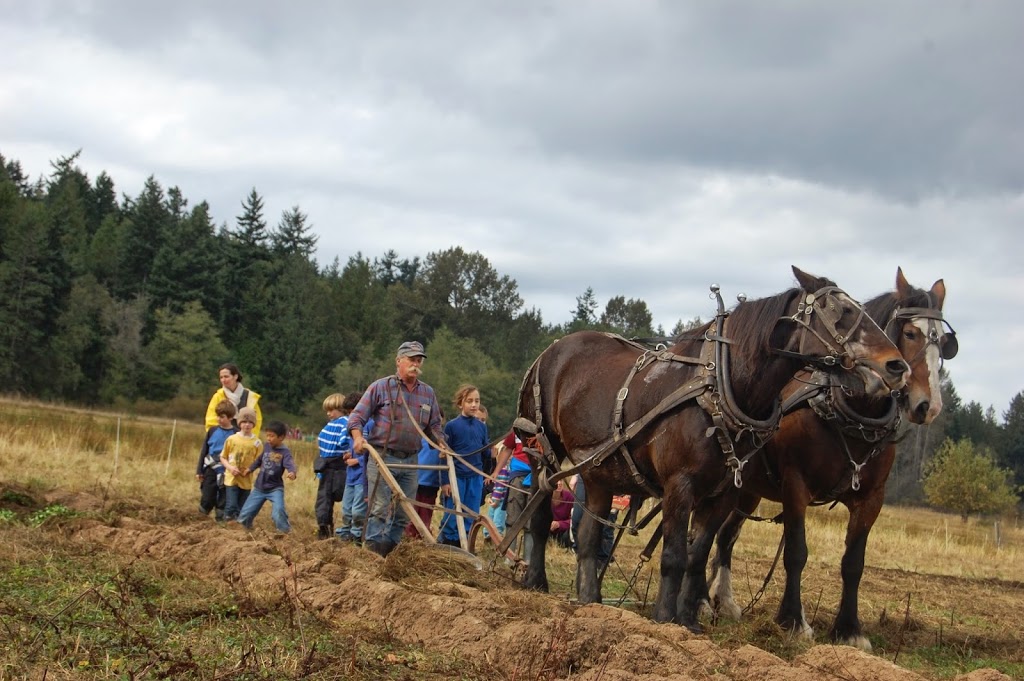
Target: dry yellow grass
{"x": 47, "y": 445}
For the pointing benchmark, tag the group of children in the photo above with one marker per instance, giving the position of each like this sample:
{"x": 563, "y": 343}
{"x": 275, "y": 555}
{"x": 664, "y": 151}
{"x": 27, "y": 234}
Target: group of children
{"x": 232, "y": 451}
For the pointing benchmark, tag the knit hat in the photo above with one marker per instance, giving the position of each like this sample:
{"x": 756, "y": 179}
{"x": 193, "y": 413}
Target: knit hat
{"x": 246, "y": 414}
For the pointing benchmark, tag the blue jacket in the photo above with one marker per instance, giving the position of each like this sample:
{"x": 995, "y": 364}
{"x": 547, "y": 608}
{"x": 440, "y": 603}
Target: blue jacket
{"x": 466, "y": 434}
{"x": 429, "y": 457}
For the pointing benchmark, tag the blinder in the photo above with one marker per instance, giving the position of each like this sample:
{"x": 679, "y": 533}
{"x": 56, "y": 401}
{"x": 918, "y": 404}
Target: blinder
{"x": 948, "y": 347}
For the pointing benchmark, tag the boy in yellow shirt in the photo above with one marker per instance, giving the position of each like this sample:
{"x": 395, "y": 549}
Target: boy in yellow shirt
{"x": 240, "y": 451}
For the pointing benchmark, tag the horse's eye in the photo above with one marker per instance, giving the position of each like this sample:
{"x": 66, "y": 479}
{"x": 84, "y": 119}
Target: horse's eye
{"x": 910, "y": 334}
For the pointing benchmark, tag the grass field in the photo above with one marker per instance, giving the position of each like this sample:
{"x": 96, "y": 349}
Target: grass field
{"x": 939, "y": 596}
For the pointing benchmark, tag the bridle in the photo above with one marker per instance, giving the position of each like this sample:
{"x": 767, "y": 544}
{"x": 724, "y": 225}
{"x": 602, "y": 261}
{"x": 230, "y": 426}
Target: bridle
{"x": 945, "y": 341}
{"x": 826, "y": 305}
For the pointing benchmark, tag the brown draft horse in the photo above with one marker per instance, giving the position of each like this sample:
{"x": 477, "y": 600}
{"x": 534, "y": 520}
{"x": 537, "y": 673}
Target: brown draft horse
{"x": 843, "y": 454}
{"x": 582, "y": 390}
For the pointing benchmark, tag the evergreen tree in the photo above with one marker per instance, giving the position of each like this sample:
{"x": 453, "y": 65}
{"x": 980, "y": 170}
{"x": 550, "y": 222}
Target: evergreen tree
{"x": 974, "y": 423}
{"x": 66, "y": 197}
{"x": 389, "y": 270}
{"x": 128, "y": 370}
{"x": 106, "y": 252}
{"x": 102, "y": 203}
{"x": 252, "y": 228}
{"x": 33, "y": 286}
{"x": 1011, "y": 443}
{"x": 145, "y": 233}
{"x": 185, "y": 267}
{"x": 294, "y": 236}
{"x": 585, "y": 314}
{"x": 11, "y": 171}
{"x": 80, "y": 348}
{"x": 245, "y": 274}
{"x": 296, "y": 349}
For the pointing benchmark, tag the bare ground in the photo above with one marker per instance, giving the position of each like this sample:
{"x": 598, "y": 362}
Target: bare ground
{"x": 441, "y": 601}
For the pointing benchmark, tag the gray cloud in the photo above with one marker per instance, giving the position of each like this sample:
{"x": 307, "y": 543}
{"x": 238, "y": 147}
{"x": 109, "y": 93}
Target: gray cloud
{"x": 645, "y": 149}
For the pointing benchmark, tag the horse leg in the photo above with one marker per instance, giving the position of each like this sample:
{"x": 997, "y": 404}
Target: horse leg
{"x": 721, "y": 595}
{"x": 598, "y": 504}
{"x": 676, "y": 505}
{"x": 794, "y": 508}
{"x": 540, "y": 527}
{"x": 708, "y": 516}
{"x": 847, "y": 628}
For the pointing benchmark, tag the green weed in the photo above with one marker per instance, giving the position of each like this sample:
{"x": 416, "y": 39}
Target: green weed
{"x": 44, "y": 515}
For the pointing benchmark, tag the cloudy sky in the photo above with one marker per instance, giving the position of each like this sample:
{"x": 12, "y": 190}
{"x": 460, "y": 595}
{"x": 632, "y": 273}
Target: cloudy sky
{"x": 644, "y": 149}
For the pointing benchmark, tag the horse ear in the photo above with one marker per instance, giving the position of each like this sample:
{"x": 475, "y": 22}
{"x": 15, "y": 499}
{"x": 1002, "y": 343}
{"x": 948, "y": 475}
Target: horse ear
{"x": 939, "y": 292}
{"x": 903, "y": 287}
{"x": 808, "y": 282}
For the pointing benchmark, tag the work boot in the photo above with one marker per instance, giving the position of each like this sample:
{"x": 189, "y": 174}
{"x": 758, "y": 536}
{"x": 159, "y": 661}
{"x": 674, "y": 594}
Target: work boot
{"x": 382, "y": 547}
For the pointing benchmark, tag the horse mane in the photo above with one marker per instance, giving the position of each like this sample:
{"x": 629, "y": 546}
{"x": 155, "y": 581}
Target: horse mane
{"x": 881, "y": 308}
{"x": 752, "y": 323}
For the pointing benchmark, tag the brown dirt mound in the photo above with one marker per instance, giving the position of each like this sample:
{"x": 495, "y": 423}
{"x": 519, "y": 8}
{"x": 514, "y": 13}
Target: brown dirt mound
{"x": 442, "y": 602}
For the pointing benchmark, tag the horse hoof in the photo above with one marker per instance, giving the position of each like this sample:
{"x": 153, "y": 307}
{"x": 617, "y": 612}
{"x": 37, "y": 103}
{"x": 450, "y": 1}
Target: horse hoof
{"x": 858, "y": 641}
{"x": 695, "y": 627}
{"x": 728, "y": 609}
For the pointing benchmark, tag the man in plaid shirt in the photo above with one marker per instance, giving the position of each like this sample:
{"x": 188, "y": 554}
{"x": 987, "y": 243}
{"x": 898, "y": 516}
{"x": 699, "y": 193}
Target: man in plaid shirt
{"x": 396, "y": 439}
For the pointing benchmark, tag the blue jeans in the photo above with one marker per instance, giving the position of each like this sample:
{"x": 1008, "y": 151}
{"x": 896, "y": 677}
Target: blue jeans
{"x": 255, "y": 502}
{"x": 234, "y": 499}
{"x": 498, "y": 515}
{"x": 470, "y": 489}
{"x": 353, "y": 512}
{"x": 387, "y": 520}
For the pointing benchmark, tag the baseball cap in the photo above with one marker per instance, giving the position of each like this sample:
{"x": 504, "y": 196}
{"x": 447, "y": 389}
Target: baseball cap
{"x": 411, "y": 349}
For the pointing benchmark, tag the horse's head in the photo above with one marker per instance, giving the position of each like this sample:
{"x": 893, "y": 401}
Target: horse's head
{"x": 827, "y": 328}
{"x": 913, "y": 320}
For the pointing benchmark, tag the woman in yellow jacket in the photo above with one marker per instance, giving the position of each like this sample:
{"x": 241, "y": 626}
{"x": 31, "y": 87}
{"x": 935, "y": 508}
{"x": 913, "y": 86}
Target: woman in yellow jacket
{"x": 240, "y": 396}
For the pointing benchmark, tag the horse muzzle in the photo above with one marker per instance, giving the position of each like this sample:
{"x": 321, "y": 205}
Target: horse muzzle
{"x": 881, "y": 379}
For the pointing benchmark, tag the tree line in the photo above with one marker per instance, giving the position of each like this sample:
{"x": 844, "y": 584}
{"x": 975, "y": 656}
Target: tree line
{"x": 133, "y": 302}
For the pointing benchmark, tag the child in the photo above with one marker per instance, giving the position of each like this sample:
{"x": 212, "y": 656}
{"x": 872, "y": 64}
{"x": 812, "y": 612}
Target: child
{"x": 353, "y": 503}
{"x": 561, "y": 515}
{"x": 466, "y": 435}
{"x": 274, "y": 464}
{"x": 210, "y": 471}
{"x": 240, "y": 450}
{"x": 330, "y": 467}
{"x": 498, "y": 504}
{"x": 428, "y": 483}
{"x": 487, "y": 460}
